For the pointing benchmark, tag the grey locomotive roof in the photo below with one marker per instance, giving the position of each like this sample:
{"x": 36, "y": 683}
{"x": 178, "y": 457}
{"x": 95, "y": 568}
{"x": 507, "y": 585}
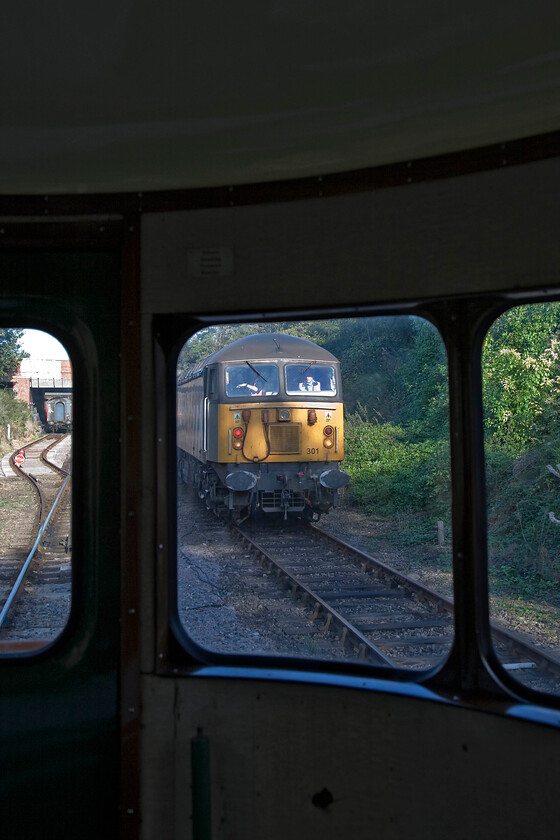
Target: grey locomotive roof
{"x": 271, "y": 346}
{"x": 276, "y": 346}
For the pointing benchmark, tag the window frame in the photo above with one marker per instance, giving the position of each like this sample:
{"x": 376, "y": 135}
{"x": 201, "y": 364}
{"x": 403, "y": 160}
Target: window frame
{"x": 471, "y": 667}
{"x": 78, "y": 331}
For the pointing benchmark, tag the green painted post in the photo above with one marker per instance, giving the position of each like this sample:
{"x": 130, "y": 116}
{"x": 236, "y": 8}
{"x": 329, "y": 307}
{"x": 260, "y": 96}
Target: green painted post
{"x": 200, "y": 769}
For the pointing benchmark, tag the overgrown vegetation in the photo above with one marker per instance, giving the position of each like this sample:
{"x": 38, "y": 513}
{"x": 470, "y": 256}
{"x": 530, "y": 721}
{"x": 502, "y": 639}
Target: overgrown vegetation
{"x": 16, "y": 421}
{"x": 13, "y": 413}
{"x": 521, "y": 380}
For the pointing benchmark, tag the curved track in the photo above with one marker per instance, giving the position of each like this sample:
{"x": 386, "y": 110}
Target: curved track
{"x": 42, "y": 568}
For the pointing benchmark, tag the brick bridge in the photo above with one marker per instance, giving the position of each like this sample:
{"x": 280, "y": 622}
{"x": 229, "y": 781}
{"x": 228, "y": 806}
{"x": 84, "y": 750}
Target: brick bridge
{"x": 46, "y": 386}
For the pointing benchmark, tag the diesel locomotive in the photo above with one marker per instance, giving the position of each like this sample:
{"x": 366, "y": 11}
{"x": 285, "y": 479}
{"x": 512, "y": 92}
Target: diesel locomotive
{"x": 260, "y": 427}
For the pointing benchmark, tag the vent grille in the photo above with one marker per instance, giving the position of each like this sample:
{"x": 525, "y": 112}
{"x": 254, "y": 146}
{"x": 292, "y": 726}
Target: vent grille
{"x": 210, "y": 262}
{"x": 273, "y": 501}
{"x": 284, "y": 438}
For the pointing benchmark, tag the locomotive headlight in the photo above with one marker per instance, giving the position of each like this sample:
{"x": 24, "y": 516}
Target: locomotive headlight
{"x": 284, "y": 414}
{"x": 328, "y": 442}
{"x": 238, "y": 437}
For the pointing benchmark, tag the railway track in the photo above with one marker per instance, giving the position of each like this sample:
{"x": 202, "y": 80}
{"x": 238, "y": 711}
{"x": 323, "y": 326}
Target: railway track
{"x": 40, "y": 568}
{"x": 373, "y": 612}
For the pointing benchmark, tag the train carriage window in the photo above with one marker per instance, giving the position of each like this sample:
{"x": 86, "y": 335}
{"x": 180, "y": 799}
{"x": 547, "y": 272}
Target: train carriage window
{"x": 36, "y": 416}
{"x": 521, "y": 391}
{"x": 339, "y": 544}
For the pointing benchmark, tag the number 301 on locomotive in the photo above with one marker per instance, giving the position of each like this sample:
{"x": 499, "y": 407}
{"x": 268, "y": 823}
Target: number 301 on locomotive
{"x": 260, "y": 427}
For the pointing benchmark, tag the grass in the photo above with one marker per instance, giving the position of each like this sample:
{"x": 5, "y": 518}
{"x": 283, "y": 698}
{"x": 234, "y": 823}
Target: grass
{"x": 16, "y": 504}
{"x": 539, "y": 620}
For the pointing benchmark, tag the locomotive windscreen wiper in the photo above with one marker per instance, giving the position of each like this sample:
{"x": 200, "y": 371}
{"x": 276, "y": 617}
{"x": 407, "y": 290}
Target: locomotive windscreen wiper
{"x": 256, "y": 371}
{"x": 307, "y": 368}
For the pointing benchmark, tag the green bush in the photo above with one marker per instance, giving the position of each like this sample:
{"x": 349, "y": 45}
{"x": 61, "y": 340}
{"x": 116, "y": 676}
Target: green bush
{"x": 14, "y": 413}
{"x": 521, "y": 492}
{"x": 391, "y": 474}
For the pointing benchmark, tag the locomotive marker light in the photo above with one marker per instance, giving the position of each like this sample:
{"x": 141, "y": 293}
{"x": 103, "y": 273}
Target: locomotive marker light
{"x": 238, "y": 438}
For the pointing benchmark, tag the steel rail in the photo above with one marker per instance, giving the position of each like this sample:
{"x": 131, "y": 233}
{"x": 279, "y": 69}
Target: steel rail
{"x": 509, "y": 638}
{"x": 45, "y": 460}
{"x": 42, "y": 527}
{"x": 25, "y": 567}
{"x": 349, "y": 632}
{"x": 512, "y": 641}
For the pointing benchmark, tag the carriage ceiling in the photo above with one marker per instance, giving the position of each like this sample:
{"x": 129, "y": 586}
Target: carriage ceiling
{"x": 127, "y": 95}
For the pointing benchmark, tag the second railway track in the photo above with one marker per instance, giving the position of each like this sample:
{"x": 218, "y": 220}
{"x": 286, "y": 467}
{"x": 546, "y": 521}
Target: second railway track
{"x": 35, "y": 604}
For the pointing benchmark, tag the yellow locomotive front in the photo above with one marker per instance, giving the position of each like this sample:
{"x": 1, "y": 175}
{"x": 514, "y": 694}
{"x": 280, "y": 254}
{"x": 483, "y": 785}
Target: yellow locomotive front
{"x": 272, "y": 427}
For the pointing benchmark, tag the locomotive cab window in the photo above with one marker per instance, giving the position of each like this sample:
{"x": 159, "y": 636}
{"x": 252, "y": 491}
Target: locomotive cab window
{"x": 36, "y": 418}
{"x": 313, "y": 491}
{"x": 310, "y": 379}
{"x": 255, "y": 379}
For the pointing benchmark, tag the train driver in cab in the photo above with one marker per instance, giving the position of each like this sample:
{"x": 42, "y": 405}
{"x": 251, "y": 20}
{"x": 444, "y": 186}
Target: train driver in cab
{"x": 309, "y": 384}
{"x": 255, "y": 388}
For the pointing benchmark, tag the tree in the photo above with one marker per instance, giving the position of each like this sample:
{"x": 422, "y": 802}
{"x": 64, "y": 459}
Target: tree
{"x": 521, "y": 374}
{"x": 11, "y": 353}
{"x": 424, "y": 376}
